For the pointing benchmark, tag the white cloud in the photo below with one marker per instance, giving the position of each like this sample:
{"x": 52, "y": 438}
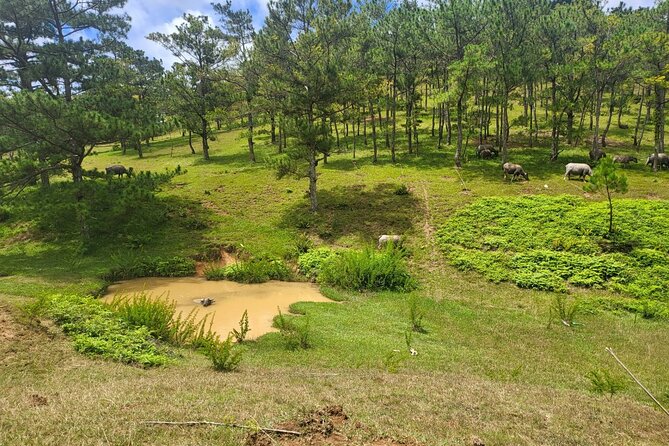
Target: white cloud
{"x": 164, "y": 15}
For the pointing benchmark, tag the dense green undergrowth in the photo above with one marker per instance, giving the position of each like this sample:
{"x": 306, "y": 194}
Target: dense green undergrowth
{"x": 97, "y": 331}
{"x": 135, "y": 329}
{"x": 360, "y": 270}
{"x": 150, "y": 267}
{"x": 256, "y": 270}
{"x": 552, "y": 243}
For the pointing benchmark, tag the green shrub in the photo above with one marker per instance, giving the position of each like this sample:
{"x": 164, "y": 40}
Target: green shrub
{"x": 539, "y": 280}
{"x": 257, "y": 270}
{"x": 143, "y": 310}
{"x": 563, "y": 310}
{"x": 402, "y": 189}
{"x": 368, "y": 270}
{"x": 225, "y": 355}
{"x": 311, "y": 262}
{"x": 416, "y": 315}
{"x": 601, "y": 382}
{"x": 96, "y": 330}
{"x": 296, "y": 334}
{"x": 151, "y": 267}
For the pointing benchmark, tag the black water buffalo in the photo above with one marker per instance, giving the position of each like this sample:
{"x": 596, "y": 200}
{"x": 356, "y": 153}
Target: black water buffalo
{"x": 117, "y": 169}
{"x": 625, "y": 159}
{"x": 515, "y": 170}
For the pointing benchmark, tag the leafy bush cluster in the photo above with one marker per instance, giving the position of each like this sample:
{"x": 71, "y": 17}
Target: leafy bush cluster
{"x": 97, "y": 330}
{"x": 548, "y": 243}
{"x": 151, "y": 267}
{"x": 367, "y": 270}
{"x": 311, "y": 262}
{"x": 257, "y": 270}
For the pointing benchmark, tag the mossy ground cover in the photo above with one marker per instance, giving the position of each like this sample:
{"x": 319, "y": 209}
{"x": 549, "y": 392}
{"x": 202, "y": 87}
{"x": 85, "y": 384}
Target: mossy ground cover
{"x": 487, "y": 365}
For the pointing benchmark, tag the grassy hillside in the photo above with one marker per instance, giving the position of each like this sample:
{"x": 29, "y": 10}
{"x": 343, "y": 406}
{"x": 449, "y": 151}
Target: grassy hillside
{"x": 487, "y": 368}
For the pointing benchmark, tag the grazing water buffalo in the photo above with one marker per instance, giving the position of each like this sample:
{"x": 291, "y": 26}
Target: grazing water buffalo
{"x": 117, "y": 169}
{"x": 625, "y": 159}
{"x": 597, "y": 155}
{"x": 488, "y": 148}
{"x": 515, "y": 170}
{"x": 385, "y": 239}
{"x": 580, "y": 169}
{"x": 486, "y": 154}
{"x": 662, "y": 160}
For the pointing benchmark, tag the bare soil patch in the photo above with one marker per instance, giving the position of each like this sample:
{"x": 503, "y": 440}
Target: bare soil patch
{"x": 328, "y": 426}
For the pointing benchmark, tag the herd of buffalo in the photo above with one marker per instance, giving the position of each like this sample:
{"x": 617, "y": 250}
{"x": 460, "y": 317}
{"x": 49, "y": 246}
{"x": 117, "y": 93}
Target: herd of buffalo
{"x": 488, "y": 151}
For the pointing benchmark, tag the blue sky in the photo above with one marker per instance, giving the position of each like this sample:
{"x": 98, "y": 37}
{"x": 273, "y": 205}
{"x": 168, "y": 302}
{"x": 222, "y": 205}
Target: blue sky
{"x": 163, "y": 15}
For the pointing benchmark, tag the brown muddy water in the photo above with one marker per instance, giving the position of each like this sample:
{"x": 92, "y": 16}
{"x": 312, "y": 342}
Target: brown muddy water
{"x": 230, "y": 299}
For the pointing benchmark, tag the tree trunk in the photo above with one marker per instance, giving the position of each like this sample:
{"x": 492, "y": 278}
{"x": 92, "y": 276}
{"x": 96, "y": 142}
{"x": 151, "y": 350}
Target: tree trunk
{"x": 434, "y": 113}
{"x": 458, "y": 149}
{"x": 371, "y": 113}
{"x": 190, "y": 142}
{"x": 638, "y": 118}
{"x": 252, "y": 154}
{"x": 312, "y": 180}
{"x": 645, "y": 123}
{"x": 205, "y": 139}
{"x": 554, "y": 131}
{"x": 595, "y": 137}
{"x": 77, "y": 171}
{"x": 608, "y": 122}
{"x": 273, "y": 128}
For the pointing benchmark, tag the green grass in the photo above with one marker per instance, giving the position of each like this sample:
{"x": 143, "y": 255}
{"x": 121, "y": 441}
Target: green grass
{"x": 487, "y": 365}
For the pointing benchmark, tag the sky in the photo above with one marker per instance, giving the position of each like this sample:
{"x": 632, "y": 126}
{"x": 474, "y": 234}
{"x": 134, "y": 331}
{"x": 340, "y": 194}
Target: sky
{"x": 164, "y": 15}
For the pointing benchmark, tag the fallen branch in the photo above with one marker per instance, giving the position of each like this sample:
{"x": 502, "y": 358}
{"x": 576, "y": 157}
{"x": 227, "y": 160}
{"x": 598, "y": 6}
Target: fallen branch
{"x": 610, "y": 350}
{"x": 214, "y": 423}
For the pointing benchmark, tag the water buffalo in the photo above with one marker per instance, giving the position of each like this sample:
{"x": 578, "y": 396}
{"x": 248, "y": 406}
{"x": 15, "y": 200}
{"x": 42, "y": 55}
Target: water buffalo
{"x": 598, "y": 154}
{"x": 486, "y": 147}
{"x": 486, "y": 154}
{"x": 515, "y": 170}
{"x": 625, "y": 159}
{"x": 580, "y": 169}
{"x": 117, "y": 169}
{"x": 662, "y": 160}
{"x": 385, "y": 239}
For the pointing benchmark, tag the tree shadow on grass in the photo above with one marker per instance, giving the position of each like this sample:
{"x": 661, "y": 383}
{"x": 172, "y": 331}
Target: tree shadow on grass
{"x": 355, "y": 211}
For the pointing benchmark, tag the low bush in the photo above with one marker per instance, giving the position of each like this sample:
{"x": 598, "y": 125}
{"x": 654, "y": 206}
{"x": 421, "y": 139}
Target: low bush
{"x": 257, "y": 270}
{"x": 601, "y": 382}
{"x": 295, "y": 333}
{"x": 97, "y": 330}
{"x": 563, "y": 310}
{"x": 311, "y": 262}
{"x": 151, "y": 267}
{"x": 143, "y": 310}
{"x": 368, "y": 270}
{"x": 225, "y": 355}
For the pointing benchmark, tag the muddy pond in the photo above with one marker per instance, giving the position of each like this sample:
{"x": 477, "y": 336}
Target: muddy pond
{"x": 230, "y": 299}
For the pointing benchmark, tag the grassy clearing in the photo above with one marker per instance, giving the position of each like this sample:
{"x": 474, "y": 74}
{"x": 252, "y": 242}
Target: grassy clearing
{"x": 487, "y": 365}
